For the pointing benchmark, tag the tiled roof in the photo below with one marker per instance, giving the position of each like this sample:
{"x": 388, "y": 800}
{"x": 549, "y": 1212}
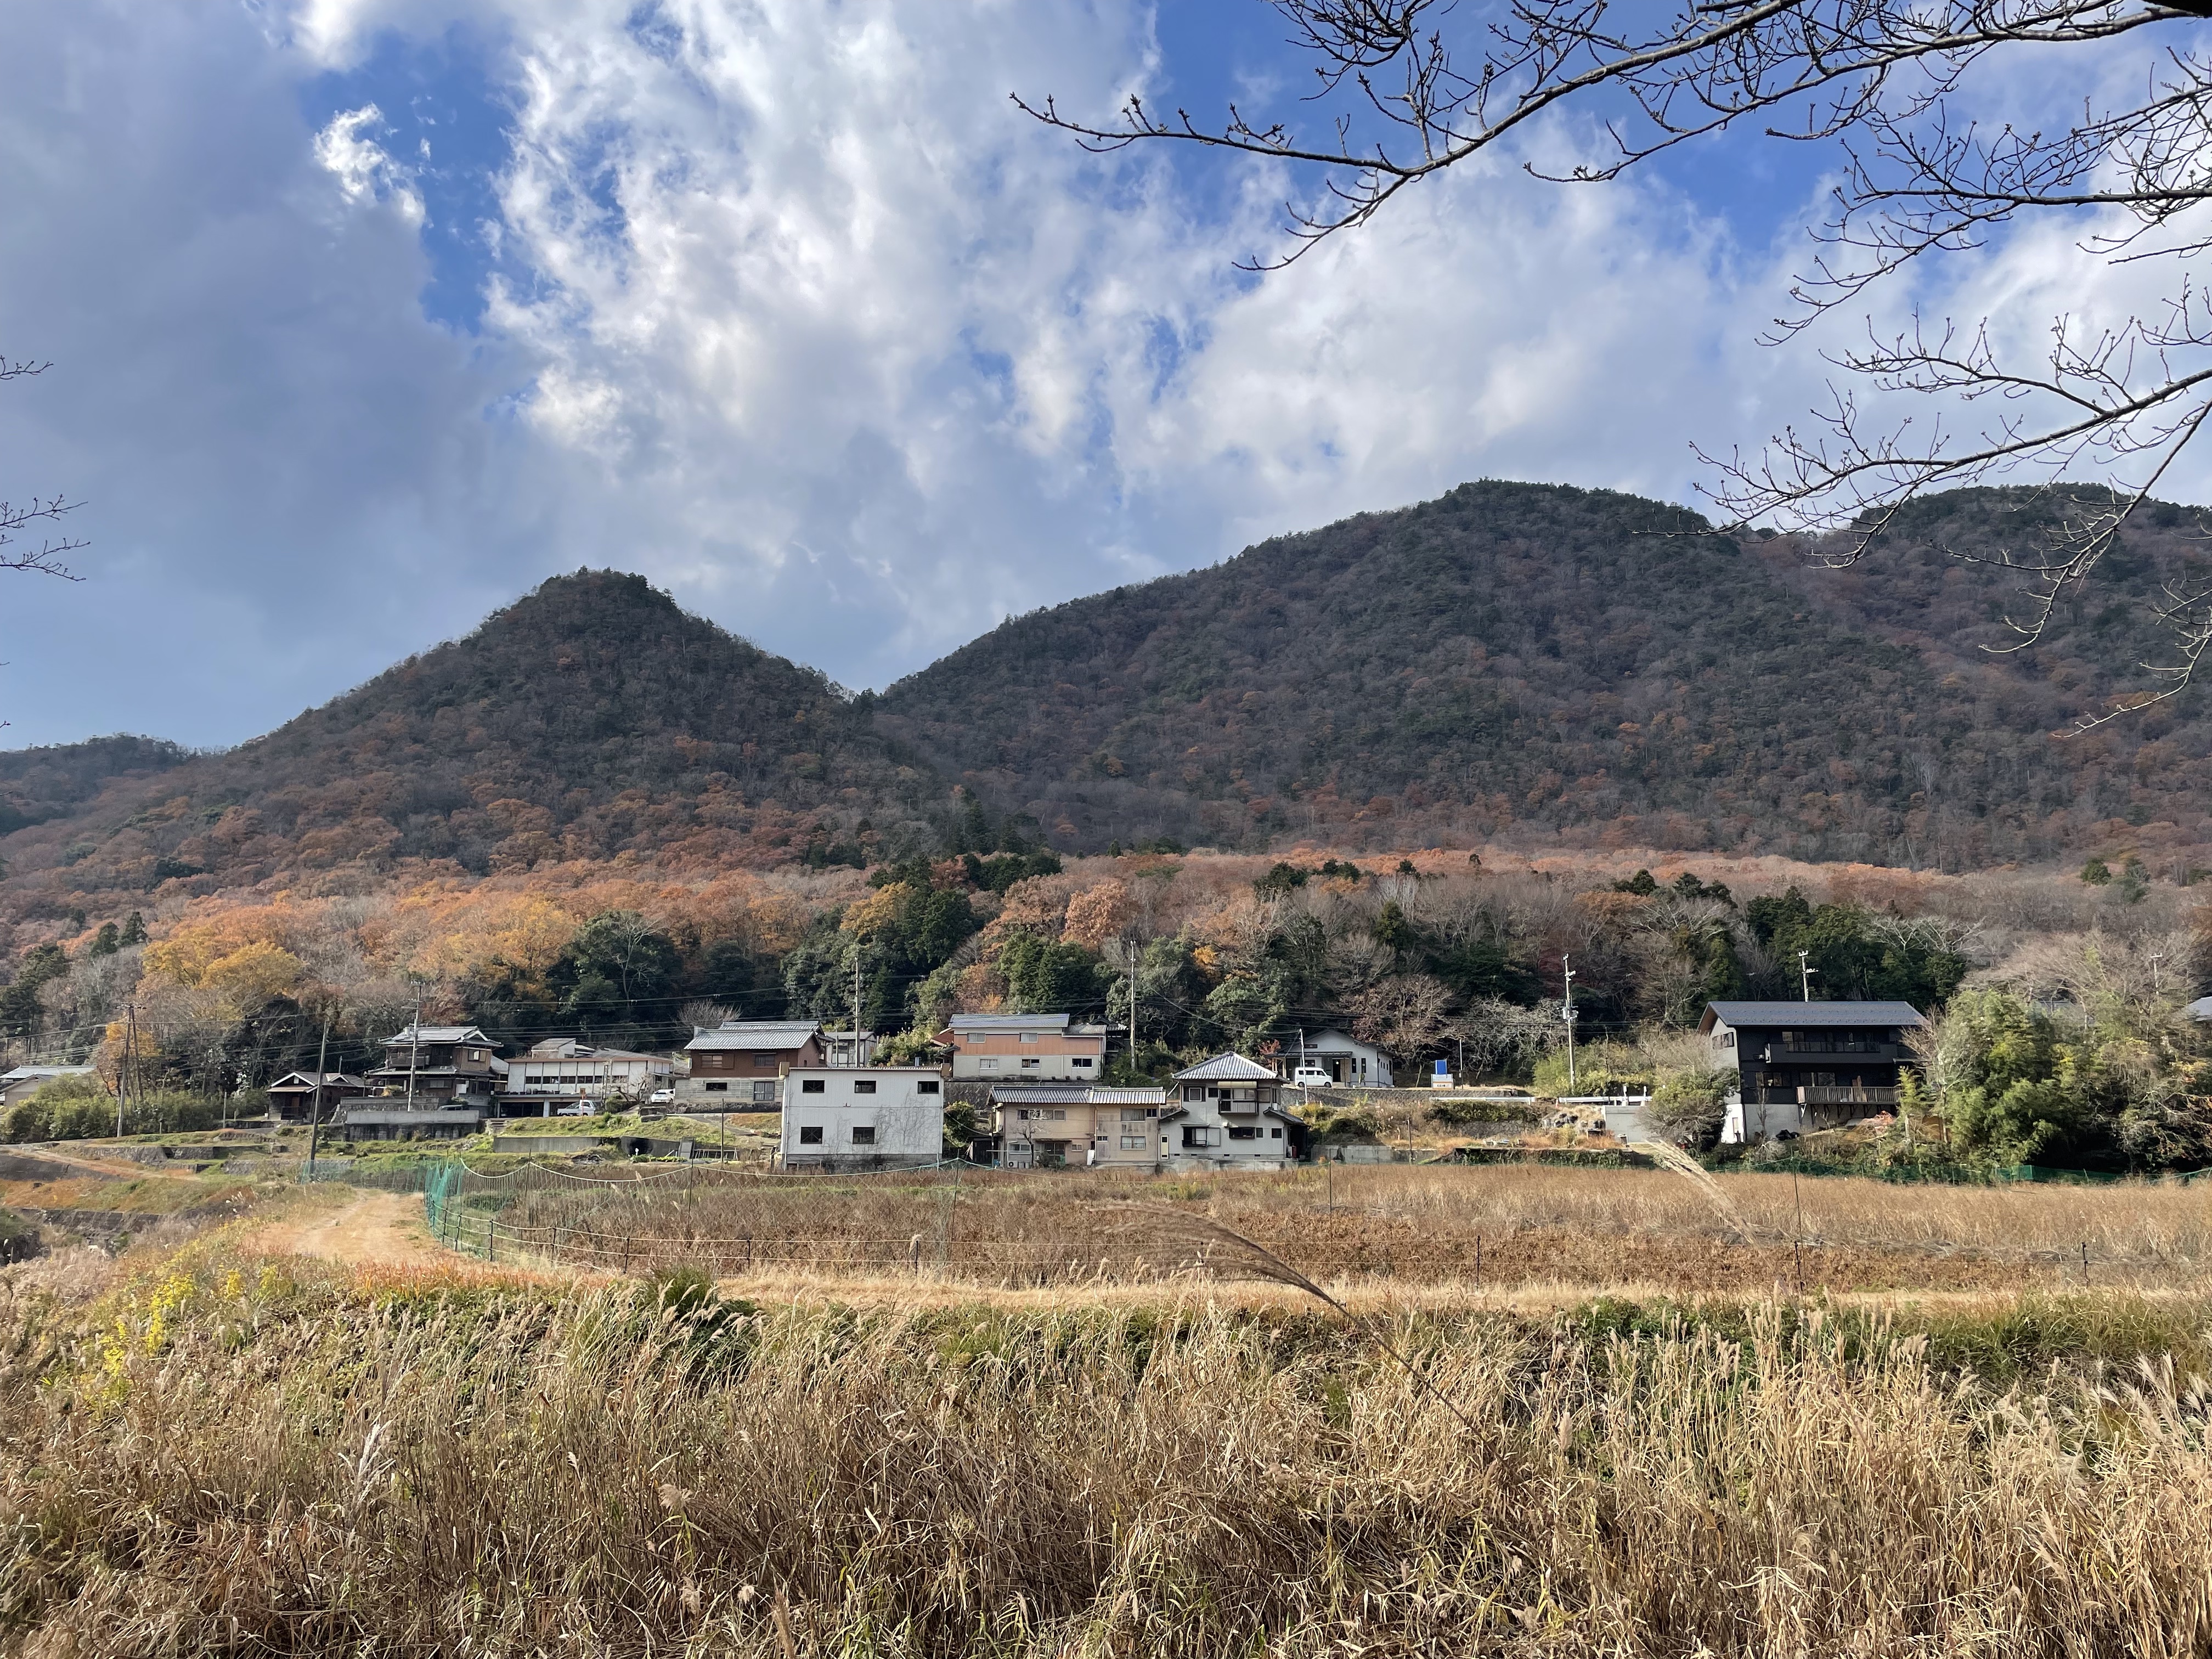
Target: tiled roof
{"x": 441, "y": 1034}
{"x": 1226, "y": 1068}
{"x": 1009, "y": 1022}
{"x": 306, "y": 1080}
{"x": 1073, "y": 1094}
{"x": 1807, "y": 1015}
{"x": 758, "y": 1034}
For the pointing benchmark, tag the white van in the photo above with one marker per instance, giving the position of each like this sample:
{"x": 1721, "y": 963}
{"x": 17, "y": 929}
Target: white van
{"x": 1310, "y": 1077}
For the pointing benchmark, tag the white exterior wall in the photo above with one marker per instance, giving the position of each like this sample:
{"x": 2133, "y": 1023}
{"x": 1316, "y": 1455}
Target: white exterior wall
{"x": 908, "y": 1121}
{"x": 1362, "y": 1065}
{"x": 1270, "y": 1149}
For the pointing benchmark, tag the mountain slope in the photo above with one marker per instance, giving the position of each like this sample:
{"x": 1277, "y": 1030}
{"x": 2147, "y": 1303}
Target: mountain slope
{"x": 1516, "y": 656}
{"x": 590, "y": 718}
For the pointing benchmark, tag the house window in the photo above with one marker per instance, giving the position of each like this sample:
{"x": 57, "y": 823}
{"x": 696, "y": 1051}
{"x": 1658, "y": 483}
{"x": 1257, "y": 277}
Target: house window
{"x": 1276, "y": 1133}
{"x": 1084, "y": 1059}
{"x": 810, "y": 1134}
{"x": 1200, "y": 1135}
{"x": 763, "y": 1059}
{"x": 986, "y": 1064}
{"x": 927, "y": 1086}
{"x": 864, "y": 1134}
{"x": 1134, "y": 1114}
{"x": 718, "y": 1088}
{"x": 1029, "y": 1064}
{"x": 811, "y": 1085}
{"x": 864, "y": 1085}
{"x": 1244, "y": 1131}
{"x": 1028, "y": 1037}
{"x": 1133, "y": 1143}
{"x": 763, "y": 1092}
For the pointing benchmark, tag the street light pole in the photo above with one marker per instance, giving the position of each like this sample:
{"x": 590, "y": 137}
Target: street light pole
{"x": 1805, "y": 972}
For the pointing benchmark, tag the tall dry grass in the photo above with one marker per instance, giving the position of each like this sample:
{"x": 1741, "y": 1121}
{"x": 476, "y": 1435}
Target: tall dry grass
{"x": 223, "y": 1460}
{"x": 1530, "y": 1223}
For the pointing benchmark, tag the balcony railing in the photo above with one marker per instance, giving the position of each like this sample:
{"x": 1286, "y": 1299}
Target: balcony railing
{"x": 1810, "y": 1094}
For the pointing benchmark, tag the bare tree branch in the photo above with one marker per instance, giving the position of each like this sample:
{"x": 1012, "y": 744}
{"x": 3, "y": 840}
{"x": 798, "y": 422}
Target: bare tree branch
{"x": 1405, "y": 89}
{"x": 43, "y": 513}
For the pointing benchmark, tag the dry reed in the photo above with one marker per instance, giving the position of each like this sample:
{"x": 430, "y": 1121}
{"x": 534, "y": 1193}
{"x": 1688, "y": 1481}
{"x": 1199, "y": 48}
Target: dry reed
{"x": 220, "y": 1459}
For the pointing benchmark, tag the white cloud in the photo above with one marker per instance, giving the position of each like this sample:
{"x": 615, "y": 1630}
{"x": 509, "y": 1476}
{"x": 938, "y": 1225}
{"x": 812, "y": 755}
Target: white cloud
{"x": 796, "y": 315}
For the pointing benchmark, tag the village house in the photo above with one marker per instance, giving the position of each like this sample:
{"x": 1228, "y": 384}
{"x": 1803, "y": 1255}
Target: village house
{"x": 1802, "y": 1065}
{"x": 1050, "y": 1126}
{"x": 440, "y": 1065}
{"x": 847, "y": 1048}
{"x": 1226, "y": 1113}
{"x": 562, "y": 1071}
{"x": 1350, "y": 1063}
{"x": 299, "y": 1096}
{"x": 1025, "y": 1048}
{"x": 739, "y": 1065}
{"x": 863, "y": 1117}
{"x": 436, "y": 1081}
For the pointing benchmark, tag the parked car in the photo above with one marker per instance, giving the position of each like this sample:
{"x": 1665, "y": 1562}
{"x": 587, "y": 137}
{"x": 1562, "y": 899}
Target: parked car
{"x": 660, "y": 1097}
{"x": 581, "y": 1109}
{"x": 1310, "y": 1077}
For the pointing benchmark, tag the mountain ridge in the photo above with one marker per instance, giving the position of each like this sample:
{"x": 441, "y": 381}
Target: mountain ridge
{"x": 1507, "y": 661}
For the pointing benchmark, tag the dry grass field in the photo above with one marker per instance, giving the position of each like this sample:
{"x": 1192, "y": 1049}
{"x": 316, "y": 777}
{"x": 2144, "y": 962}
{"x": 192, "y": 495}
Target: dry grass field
{"x": 1407, "y": 1225}
{"x": 236, "y": 1447}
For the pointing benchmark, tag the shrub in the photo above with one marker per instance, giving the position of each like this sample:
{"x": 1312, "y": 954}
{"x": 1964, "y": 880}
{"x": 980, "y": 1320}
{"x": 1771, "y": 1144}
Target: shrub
{"x": 81, "y": 1108}
{"x": 1691, "y": 1106}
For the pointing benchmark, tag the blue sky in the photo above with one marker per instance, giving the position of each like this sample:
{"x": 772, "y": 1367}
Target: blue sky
{"x": 367, "y": 315}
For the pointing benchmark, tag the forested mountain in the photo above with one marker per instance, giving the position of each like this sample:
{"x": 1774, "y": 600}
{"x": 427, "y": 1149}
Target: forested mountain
{"x": 1588, "y": 666}
{"x": 37, "y": 785}
{"x": 591, "y": 718}
{"x": 1510, "y": 660}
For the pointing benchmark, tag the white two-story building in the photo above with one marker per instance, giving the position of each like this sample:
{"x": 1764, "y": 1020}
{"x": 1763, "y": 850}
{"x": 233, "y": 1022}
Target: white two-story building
{"x": 1227, "y": 1113}
{"x": 862, "y": 1117}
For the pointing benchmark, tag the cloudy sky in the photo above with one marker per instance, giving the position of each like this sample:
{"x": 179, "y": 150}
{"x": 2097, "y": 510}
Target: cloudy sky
{"x": 366, "y": 315}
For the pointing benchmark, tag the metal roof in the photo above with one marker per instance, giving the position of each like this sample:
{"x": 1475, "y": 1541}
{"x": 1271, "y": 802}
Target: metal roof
{"x": 2200, "y": 1009}
{"x": 306, "y": 1081}
{"x": 1806, "y": 1015}
{"x": 763, "y": 1034}
{"x": 1009, "y": 1022}
{"x": 1073, "y": 1094}
{"x": 1226, "y": 1068}
{"x": 25, "y": 1073}
{"x": 571, "y": 1049}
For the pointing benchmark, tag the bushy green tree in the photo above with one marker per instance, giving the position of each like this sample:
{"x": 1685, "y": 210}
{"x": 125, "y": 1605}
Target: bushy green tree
{"x": 1043, "y": 977}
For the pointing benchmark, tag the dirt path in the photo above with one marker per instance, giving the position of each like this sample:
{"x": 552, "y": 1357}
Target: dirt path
{"x": 380, "y": 1227}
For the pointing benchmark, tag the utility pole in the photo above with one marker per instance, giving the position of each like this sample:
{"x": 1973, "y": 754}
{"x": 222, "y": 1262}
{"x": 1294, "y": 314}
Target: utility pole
{"x": 414, "y": 1047}
{"x": 123, "y": 1070}
{"x": 1568, "y": 1014}
{"x": 1805, "y": 972}
{"x": 856, "y": 1002}
{"x": 315, "y": 1111}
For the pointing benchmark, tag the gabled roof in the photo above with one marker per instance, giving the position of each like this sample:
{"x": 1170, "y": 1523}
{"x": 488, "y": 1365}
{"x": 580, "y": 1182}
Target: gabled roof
{"x": 441, "y": 1034}
{"x": 1074, "y": 1094}
{"x": 570, "y": 1048}
{"x": 25, "y": 1073}
{"x": 306, "y": 1080}
{"x": 1803, "y": 1016}
{"x": 1226, "y": 1068}
{"x": 763, "y": 1034}
{"x": 1009, "y": 1022}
